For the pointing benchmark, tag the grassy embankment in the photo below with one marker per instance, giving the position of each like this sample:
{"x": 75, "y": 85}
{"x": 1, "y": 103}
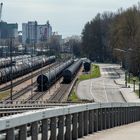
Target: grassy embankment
{"x": 95, "y": 73}
{"x": 4, "y": 94}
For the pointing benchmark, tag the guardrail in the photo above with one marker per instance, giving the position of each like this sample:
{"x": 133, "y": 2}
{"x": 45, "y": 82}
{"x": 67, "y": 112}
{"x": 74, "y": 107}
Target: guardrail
{"x": 69, "y": 122}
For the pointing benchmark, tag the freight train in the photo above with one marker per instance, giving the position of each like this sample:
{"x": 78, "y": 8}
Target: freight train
{"x": 44, "y": 81}
{"x": 87, "y": 65}
{"x": 8, "y": 73}
{"x": 4, "y": 62}
{"x": 71, "y": 71}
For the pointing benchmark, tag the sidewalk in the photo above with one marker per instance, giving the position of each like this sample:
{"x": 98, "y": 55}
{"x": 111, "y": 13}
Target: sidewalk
{"x": 128, "y": 93}
{"x": 126, "y": 132}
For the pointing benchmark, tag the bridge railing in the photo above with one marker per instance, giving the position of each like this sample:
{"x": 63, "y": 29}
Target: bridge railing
{"x": 69, "y": 122}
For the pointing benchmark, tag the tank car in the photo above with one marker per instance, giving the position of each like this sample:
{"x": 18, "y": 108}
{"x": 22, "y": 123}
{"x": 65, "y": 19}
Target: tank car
{"x": 71, "y": 71}
{"x": 45, "y": 80}
{"x": 87, "y": 66}
{"x": 24, "y": 68}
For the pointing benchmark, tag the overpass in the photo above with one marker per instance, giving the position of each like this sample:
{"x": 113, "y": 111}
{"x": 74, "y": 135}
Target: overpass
{"x": 68, "y": 122}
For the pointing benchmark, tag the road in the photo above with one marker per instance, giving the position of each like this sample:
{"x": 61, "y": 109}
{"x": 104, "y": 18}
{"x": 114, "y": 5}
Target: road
{"x": 102, "y": 89}
{"x": 126, "y": 132}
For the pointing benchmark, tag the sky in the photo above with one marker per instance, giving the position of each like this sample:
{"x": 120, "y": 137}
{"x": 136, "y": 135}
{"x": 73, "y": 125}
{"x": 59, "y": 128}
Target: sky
{"x": 67, "y": 17}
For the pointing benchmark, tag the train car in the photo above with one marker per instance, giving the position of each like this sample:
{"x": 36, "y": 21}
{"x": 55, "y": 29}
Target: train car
{"x": 24, "y": 68}
{"x": 71, "y": 71}
{"x": 87, "y": 66}
{"x": 5, "y": 62}
{"x": 45, "y": 80}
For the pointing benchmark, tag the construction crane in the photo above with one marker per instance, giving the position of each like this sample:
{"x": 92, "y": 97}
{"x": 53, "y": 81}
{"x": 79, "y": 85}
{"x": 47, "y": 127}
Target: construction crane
{"x": 1, "y": 11}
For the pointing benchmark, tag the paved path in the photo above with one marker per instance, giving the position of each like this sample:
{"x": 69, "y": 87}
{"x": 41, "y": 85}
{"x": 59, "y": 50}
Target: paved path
{"x": 110, "y": 87}
{"x": 126, "y": 132}
{"x": 102, "y": 89}
{"x": 127, "y": 93}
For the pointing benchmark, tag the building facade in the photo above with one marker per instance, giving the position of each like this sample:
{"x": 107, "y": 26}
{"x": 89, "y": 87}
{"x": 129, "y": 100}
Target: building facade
{"x": 8, "y": 30}
{"x": 32, "y": 32}
{"x": 29, "y": 32}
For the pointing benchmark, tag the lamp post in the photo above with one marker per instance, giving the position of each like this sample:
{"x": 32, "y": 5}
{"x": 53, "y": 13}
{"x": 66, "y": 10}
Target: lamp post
{"x": 139, "y": 84}
{"x": 126, "y": 65}
{"x": 134, "y": 82}
{"x": 139, "y": 75}
{"x": 139, "y": 89}
{"x": 126, "y": 78}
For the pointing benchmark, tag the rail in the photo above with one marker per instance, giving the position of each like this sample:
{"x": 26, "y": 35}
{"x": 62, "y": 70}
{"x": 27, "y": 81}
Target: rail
{"x": 69, "y": 122}
{"x": 28, "y": 76}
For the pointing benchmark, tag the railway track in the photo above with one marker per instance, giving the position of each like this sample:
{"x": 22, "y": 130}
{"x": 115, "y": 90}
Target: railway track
{"x": 28, "y": 77}
{"x": 37, "y": 95}
{"x": 60, "y": 93}
{"x": 34, "y": 97}
{"x": 20, "y": 93}
{"x": 58, "y": 96}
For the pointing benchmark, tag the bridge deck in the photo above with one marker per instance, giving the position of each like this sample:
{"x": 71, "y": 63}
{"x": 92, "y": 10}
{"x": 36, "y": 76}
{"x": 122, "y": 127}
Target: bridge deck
{"x": 126, "y": 132}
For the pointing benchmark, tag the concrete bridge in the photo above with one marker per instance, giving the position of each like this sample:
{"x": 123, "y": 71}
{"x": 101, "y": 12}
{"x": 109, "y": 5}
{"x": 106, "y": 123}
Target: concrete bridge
{"x": 69, "y": 122}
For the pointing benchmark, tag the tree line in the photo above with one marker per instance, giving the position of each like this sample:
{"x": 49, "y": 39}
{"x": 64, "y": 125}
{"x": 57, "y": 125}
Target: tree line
{"x": 114, "y": 37}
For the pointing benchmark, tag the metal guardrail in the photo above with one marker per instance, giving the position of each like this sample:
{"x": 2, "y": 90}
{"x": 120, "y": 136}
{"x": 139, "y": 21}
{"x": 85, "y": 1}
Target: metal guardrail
{"x": 69, "y": 122}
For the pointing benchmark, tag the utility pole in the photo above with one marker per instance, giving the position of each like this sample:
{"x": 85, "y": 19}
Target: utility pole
{"x": 11, "y": 75}
{"x": 32, "y": 63}
{"x": 41, "y": 42}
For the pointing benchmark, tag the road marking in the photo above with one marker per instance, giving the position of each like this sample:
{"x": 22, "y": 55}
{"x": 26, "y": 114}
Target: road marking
{"x": 105, "y": 91}
{"x": 91, "y": 85}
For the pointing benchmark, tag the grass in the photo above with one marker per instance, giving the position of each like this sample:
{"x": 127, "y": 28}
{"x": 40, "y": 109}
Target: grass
{"x": 73, "y": 97}
{"x": 4, "y": 94}
{"x": 133, "y": 78}
{"x": 95, "y": 73}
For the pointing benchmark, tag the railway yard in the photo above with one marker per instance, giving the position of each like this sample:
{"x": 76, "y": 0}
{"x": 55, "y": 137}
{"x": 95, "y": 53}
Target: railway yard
{"x": 42, "y": 84}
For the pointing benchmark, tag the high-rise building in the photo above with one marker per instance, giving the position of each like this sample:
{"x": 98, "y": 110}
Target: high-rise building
{"x": 29, "y": 32}
{"x": 8, "y": 30}
{"x": 44, "y": 32}
{"x": 32, "y": 32}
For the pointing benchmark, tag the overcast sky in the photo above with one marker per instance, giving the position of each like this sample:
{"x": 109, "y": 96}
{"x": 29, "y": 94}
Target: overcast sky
{"x": 68, "y": 17}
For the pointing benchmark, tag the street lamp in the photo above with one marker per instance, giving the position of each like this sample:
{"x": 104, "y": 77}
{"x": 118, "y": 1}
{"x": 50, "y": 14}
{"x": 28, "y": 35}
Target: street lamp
{"x": 134, "y": 82}
{"x": 139, "y": 89}
{"x": 126, "y": 65}
{"x": 126, "y": 78}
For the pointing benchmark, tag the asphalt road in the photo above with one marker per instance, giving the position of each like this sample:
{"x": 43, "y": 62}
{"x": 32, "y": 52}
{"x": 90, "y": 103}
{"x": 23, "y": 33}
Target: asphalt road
{"x": 102, "y": 89}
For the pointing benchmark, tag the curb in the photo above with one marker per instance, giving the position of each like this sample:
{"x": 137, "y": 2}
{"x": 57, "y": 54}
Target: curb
{"x": 124, "y": 97}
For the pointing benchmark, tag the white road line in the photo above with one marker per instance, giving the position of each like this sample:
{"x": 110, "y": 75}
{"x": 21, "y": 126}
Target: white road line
{"x": 105, "y": 91}
{"x": 91, "y": 86}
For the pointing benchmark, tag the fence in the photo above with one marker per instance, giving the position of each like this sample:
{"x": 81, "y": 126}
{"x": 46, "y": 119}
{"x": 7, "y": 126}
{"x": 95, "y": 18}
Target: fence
{"x": 69, "y": 122}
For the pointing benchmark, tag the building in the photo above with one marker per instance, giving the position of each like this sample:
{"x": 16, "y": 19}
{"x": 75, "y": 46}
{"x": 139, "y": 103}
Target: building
{"x": 8, "y": 30}
{"x": 44, "y": 32}
{"x": 29, "y": 32}
{"x": 32, "y": 32}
